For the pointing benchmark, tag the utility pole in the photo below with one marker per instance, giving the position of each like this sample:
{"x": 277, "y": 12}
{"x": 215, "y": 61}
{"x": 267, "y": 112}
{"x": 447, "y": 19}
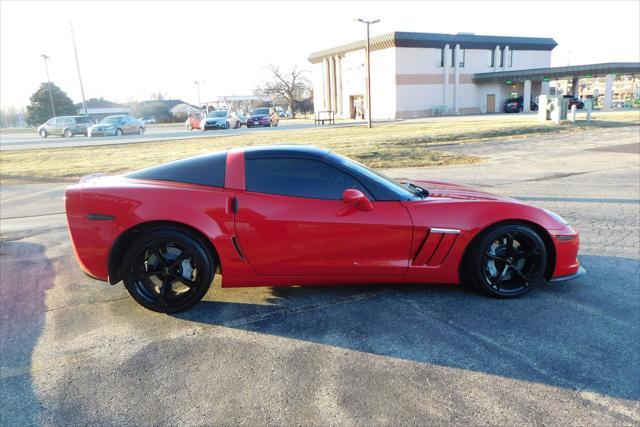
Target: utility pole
{"x": 75, "y": 50}
{"x": 46, "y": 68}
{"x": 375, "y": 21}
{"x": 197, "y": 82}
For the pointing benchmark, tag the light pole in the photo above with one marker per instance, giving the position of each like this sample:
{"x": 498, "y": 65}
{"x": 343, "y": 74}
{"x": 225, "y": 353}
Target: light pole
{"x": 46, "y": 68}
{"x": 375, "y": 21}
{"x": 197, "y": 82}
{"x": 75, "y": 51}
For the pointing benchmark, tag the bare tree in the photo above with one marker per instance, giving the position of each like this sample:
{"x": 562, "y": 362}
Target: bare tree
{"x": 292, "y": 86}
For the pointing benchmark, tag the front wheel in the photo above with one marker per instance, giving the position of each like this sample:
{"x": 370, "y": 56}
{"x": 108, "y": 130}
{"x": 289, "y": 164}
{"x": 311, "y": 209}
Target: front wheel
{"x": 507, "y": 261}
{"x": 168, "y": 270}
{"x": 118, "y": 132}
{"x": 189, "y": 127}
{"x": 43, "y": 133}
{"x": 227, "y": 125}
{"x": 68, "y": 133}
{"x": 140, "y": 131}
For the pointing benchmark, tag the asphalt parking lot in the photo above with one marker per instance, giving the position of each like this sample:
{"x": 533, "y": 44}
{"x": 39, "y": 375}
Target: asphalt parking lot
{"x": 78, "y": 351}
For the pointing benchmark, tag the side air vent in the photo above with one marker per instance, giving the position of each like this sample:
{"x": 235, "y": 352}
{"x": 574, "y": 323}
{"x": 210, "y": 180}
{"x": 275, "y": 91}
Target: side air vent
{"x": 436, "y": 247}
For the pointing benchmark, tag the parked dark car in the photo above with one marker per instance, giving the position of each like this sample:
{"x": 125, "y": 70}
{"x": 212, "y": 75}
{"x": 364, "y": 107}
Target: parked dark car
{"x": 574, "y": 101}
{"x": 516, "y": 105}
{"x": 66, "y": 126}
{"x": 263, "y": 117}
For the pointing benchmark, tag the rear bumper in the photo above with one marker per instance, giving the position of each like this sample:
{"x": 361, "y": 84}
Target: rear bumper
{"x": 581, "y": 272}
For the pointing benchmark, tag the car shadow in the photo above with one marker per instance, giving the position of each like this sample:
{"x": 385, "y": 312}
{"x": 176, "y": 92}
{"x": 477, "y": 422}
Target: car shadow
{"x": 577, "y": 335}
{"x": 25, "y": 276}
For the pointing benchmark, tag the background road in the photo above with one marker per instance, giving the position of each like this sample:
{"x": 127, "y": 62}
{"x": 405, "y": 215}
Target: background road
{"x": 77, "y": 351}
{"x": 31, "y": 140}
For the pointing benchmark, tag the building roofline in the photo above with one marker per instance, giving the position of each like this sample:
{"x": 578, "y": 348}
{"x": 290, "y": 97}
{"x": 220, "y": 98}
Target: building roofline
{"x": 437, "y": 40}
{"x": 586, "y": 70}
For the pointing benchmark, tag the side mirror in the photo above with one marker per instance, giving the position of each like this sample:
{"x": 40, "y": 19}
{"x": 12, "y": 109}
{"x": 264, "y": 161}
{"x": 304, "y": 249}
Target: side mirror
{"x": 353, "y": 197}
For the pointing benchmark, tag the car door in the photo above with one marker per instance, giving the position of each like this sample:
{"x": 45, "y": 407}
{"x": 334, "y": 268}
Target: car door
{"x": 56, "y": 127}
{"x": 292, "y": 221}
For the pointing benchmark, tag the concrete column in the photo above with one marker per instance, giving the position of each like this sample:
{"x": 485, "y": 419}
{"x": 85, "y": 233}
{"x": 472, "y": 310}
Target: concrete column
{"x": 526, "y": 96}
{"x": 544, "y": 88}
{"x": 332, "y": 83}
{"x": 608, "y": 91}
{"x": 445, "y": 82}
{"x": 340, "y": 101}
{"x": 456, "y": 78}
{"x": 496, "y": 58}
{"x": 326, "y": 96}
{"x": 505, "y": 57}
{"x": 574, "y": 87}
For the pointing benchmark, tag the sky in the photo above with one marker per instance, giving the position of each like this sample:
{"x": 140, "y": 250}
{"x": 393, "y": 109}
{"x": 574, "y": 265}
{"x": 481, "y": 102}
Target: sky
{"x": 131, "y": 50}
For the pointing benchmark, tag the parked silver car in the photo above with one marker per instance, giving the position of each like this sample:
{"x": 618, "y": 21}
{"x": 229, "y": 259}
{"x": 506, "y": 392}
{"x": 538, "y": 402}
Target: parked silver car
{"x": 220, "y": 119}
{"x": 117, "y": 126}
{"x": 66, "y": 126}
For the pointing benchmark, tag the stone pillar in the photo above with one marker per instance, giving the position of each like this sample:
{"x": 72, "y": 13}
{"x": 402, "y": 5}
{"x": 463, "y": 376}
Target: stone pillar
{"x": 327, "y": 85}
{"x": 496, "y": 58}
{"x": 526, "y": 96}
{"x": 445, "y": 82}
{"x": 456, "y": 78}
{"x": 608, "y": 91}
{"x": 505, "y": 57}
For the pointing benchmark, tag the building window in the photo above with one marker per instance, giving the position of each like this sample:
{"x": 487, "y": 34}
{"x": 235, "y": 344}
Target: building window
{"x": 510, "y": 59}
{"x": 461, "y": 58}
{"x": 492, "y": 58}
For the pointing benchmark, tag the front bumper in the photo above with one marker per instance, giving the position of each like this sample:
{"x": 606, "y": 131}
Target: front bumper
{"x": 213, "y": 126}
{"x": 581, "y": 272}
{"x": 108, "y": 132}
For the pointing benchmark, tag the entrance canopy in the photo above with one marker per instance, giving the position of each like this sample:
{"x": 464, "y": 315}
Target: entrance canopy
{"x": 552, "y": 73}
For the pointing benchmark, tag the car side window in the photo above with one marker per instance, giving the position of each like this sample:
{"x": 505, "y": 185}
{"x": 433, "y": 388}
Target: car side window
{"x": 68, "y": 121}
{"x": 298, "y": 178}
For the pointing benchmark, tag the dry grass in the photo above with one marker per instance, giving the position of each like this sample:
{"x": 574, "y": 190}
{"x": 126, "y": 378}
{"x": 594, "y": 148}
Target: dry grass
{"x": 384, "y": 146}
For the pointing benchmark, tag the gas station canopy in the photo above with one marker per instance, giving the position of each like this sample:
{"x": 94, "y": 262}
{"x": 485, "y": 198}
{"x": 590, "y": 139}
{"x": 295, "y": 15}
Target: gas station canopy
{"x": 551, "y": 73}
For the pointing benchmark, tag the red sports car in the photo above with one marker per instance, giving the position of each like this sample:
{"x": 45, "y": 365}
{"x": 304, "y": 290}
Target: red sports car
{"x": 294, "y": 215}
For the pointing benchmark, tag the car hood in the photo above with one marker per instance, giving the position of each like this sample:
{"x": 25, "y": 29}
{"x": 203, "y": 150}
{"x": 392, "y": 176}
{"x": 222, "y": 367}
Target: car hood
{"x": 215, "y": 119}
{"x": 450, "y": 191}
{"x": 258, "y": 116}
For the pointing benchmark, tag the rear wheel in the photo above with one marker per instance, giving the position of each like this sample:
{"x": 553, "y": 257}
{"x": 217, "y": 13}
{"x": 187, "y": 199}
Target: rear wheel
{"x": 140, "y": 131}
{"x": 507, "y": 261}
{"x": 68, "y": 133}
{"x": 168, "y": 270}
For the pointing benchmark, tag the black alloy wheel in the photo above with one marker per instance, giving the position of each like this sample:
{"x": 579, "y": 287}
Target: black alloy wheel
{"x": 168, "y": 270}
{"x": 508, "y": 261}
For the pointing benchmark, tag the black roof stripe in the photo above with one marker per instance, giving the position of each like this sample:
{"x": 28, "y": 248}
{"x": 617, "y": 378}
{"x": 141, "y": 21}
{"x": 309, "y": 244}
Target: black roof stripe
{"x": 438, "y": 40}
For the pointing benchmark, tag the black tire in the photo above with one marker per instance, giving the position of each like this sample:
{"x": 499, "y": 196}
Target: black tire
{"x": 507, "y": 261}
{"x": 168, "y": 270}
{"x": 43, "y": 133}
{"x": 227, "y": 125}
{"x": 141, "y": 131}
{"x": 67, "y": 133}
{"x": 119, "y": 132}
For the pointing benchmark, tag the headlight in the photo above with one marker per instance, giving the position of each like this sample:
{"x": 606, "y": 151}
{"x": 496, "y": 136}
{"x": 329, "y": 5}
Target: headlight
{"x": 556, "y": 217}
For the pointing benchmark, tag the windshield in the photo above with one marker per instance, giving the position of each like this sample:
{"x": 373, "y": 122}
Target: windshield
{"x": 379, "y": 177}
{"x": 112, "y": 119}
{"x": 261, "y": 111}
{"x": 217, "y": 114}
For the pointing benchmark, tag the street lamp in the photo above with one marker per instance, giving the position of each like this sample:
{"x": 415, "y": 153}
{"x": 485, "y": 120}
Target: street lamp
{"x": 46, "y": 68}
{"x": 197, "y": 82}
{"x": 375, "y": 21}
